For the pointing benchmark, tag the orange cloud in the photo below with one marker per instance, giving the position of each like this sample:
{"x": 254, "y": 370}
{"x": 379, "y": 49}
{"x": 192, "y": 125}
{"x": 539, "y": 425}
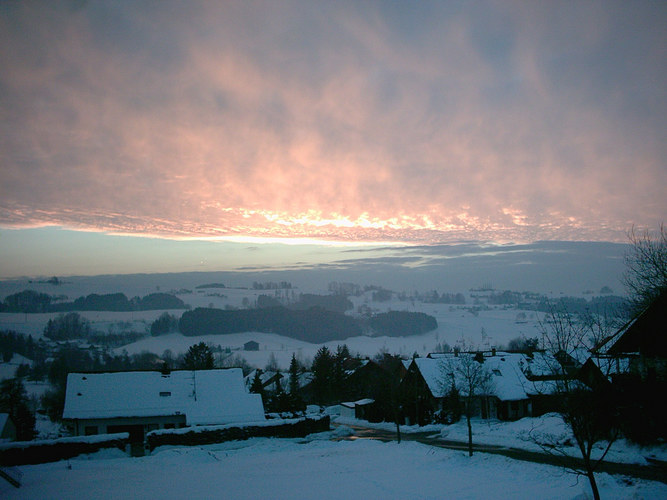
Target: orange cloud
{"x": 340, "y": 123}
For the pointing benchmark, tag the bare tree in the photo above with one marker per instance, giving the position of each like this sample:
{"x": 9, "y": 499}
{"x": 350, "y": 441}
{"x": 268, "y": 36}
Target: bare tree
{"x": 646, "y": 265}
{"x": 590, "y": 414}
{"x": 467, "y": 373}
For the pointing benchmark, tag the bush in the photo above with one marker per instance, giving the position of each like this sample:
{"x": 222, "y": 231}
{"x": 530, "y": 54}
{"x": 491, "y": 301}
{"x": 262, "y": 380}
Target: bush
{"x": 53, "y": 450}
{"x": 197, "y": 436}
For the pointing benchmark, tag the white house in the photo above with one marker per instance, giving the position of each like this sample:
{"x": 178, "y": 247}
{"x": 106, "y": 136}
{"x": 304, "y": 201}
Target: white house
{"x": 138, "y": 402}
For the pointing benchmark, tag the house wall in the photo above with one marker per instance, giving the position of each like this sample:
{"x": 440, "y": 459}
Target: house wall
{"x": 87, "y": 427}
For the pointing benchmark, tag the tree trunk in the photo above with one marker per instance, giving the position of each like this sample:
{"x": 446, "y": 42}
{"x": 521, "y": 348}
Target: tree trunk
{"x": 594, "y": 486}
{"x": 469, "y": 433}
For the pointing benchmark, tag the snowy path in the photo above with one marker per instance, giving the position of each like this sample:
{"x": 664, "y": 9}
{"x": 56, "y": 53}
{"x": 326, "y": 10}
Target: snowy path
{"x": 656, "y": 471}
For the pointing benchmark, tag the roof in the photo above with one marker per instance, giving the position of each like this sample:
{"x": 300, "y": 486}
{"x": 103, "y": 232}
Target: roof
{"x": 205, "y": 397}
{"x": 361, "y": 402}
{"x": 508, "y": 381}
{"x": 645, "y": 333}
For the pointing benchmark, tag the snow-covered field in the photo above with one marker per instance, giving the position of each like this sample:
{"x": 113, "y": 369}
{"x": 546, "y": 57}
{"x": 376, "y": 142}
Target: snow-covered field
{"x": 456, "y": 326}
{"x": 318, "y": 468}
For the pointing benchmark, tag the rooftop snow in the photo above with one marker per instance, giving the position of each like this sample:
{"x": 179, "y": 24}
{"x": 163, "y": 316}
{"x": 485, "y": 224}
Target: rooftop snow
{"x": 203, "y": 396}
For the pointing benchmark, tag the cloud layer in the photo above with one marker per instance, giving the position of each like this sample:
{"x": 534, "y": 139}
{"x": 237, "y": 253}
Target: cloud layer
{"x": 334, "y": 121}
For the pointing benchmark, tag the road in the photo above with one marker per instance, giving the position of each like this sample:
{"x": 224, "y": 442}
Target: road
{"x": 657, "y": 471}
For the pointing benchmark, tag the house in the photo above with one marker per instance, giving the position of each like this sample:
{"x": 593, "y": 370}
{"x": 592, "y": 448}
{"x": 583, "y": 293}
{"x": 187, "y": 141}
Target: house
{"x": 644, "y": 340}
{"x": 138, "y": 402}
{"x": 426, "y": 387}
{"x": 639, "y": 348}
{"x": 357, "y": 409}
{"x": 369, "y": 382}
{"x": 251, "y": 345}
{"x": 270, "y": 380}
{"x": 7, "y": 428}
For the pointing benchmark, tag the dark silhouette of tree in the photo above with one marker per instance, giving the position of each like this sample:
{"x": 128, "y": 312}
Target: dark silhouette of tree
{"x": 166, "y": 323}
{"x": 199, "y": 357}
{"x": 323, "y": 376}
{"x": 257, "y": 386}
{"x": 14, "y": 401}
{"x": 338, "y": 375}
{"x": 523, "y": 344}
{"x": 67, "y": 327}
{"x": 280, "y": 401}
{"x": 590, "y": 413}
{"x": 390, "y": 390}
{"x": 27, "y": 301}
{"x": 402, "y": 323}
{"x": 272, "y": 364}
{"x": 294, "y": 388}
{"x": 646, "y": 266}
{"x": 467, "y": 373}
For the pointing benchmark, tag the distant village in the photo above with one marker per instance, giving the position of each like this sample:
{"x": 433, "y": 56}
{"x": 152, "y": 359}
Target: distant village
{"x": 211, "y": 393}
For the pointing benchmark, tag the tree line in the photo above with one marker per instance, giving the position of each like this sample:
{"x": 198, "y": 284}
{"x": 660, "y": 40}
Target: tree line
{"x": 315, "y": 325}
{"x": 30, "y": 301}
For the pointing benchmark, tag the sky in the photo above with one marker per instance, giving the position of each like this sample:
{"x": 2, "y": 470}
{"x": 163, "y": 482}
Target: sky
{"x": 127, "y": 126}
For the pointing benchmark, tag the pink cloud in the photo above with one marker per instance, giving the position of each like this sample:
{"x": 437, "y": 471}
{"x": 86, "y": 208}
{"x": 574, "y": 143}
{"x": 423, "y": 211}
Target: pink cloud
{"x": 222, "y": 121}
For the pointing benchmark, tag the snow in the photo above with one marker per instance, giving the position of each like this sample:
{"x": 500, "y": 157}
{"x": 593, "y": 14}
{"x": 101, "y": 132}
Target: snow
{"x": 208, "y": 428}
{"x": 508, "y": 381}
{"x": 99, "y": 438}
{"x": 8, "y": 369}
{"x": 322, "y": 469}
{"x": 531, "y": 434}
{"x": 203, "y": 396}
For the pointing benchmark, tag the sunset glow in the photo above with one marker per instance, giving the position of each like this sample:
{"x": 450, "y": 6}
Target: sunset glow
{"x": 334, "y": 122}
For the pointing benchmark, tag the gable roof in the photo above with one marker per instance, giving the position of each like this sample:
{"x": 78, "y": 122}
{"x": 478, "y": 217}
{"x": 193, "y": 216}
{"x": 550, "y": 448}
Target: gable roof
{"x": 644, "y": 334}
{"x": 508, "y": 380}
{"x": 205, "y": 397}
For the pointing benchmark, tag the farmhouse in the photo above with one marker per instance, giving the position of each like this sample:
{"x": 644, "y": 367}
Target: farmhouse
{"x": 643, "y": 342}
{"x": 138, "y": 402}
{"x": 251, "y": 345}
{"x": 426, "y": 387}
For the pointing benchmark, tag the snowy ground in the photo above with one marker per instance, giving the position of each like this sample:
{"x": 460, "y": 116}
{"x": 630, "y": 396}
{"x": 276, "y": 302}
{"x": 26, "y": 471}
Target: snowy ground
{"x": 531, "y": 434}
{"x": 285, "y": 468}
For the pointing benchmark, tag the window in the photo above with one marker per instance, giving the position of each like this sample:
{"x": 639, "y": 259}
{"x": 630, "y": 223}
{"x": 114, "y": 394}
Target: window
{"x": 165, "y": 394}
{"x": 90, "y": 430}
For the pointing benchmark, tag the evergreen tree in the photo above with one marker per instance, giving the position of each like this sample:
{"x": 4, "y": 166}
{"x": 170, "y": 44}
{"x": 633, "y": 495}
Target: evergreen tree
{"x": 295, "y": 400}
{"x": 338, "y": 379}
{"x": 199, "y": 357}
{"x": 294, "y": 376}
{"x": 257, "y": 387}
{"x": 14, "y": 401}
{"x": 323, "y": 376}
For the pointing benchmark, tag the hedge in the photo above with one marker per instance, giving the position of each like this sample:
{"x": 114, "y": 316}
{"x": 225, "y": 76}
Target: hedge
{"x": 53, "y": 450}
{"x": 194, "y": 436}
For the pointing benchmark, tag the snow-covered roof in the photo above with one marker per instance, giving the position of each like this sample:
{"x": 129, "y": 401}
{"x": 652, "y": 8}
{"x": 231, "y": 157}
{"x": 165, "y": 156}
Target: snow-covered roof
{"x": 265, "y": 376}
{"x": 360, "y": 402}
{"x": 203, "y": 396}
{"x": 612, "y": 365}
{"x": 508, "y": 382}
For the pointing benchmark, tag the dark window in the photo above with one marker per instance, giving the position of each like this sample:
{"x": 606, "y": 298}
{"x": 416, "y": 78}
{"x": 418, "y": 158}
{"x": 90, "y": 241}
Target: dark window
{"x": 90, "y": 430}
{"x": 165, "y": 394}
